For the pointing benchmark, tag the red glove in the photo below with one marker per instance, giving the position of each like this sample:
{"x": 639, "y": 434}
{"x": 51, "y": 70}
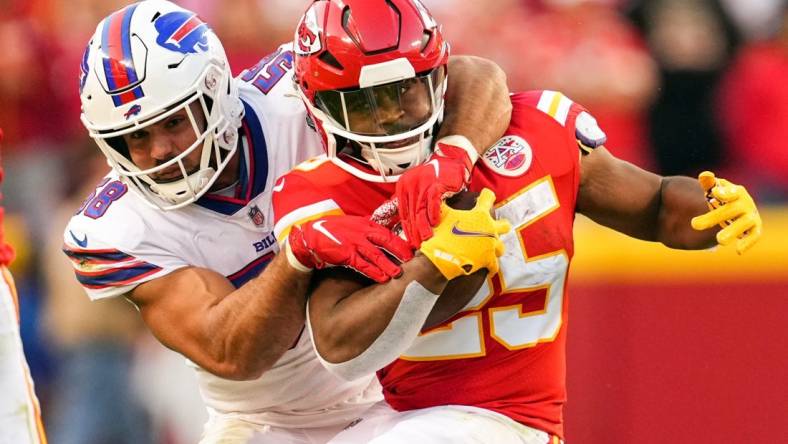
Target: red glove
{"x": 421, "y": 189}
{"x": 349, "y": 241}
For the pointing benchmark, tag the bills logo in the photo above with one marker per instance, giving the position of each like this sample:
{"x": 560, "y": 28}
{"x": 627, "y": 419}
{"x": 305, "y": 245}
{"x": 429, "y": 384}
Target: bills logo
{"x": 265, "y": 243}
{"x": 182, "y": 32}
{"x": 510, "y": 156}
{"x": 307, "y": 37}
{"x": 256, "y": 215}
{"x": 133, "y": 111}
{"x": 84, "y": 68}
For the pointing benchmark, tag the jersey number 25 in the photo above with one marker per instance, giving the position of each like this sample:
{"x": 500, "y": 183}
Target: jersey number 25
{"x": 509, "y": 325}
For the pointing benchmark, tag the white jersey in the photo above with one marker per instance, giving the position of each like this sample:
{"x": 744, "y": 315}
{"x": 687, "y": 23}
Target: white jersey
{"x": 116, "y": 242}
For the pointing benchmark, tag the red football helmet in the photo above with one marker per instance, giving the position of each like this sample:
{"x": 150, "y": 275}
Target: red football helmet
{"x": 372, "y": 72}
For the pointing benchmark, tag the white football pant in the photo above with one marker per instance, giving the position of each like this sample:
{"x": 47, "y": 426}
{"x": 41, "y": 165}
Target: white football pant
{"x": 223, "y": 429}
{"x": 20, "y": 419}
{"x": 454, "y": 424}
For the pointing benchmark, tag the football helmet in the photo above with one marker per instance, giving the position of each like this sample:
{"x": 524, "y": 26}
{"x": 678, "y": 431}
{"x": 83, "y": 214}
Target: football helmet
{"x": 144, "y": 63}
{"x": 372, "y": 72}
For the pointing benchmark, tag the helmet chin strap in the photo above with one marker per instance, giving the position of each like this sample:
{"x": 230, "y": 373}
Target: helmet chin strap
{"x": 394, "y": 161}
{"x": 174, "y": 191}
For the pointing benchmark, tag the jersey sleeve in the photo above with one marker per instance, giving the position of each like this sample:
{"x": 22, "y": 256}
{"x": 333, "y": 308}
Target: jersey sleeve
{"x": 297, "y": 200}
{"x": 577, "y": 120}
{"x": 118, "y": 250}
{"x": 109, "y": 272}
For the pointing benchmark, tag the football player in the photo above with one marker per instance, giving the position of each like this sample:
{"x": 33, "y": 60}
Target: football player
{"x": 182, "y": 226}
{"x": 490, "y": 364}
{"x": 20, "y": 415}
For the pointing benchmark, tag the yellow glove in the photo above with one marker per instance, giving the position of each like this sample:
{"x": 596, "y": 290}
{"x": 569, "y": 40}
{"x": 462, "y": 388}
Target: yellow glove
{"x": 466, "y": 240}
{"x": 732, "y": 208}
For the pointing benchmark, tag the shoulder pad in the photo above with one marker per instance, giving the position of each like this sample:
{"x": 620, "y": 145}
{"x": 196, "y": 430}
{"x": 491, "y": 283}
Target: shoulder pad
{"x": 572, "y": 116}
{"x": 588, "y": 133}
{"x": 555, "y": 105}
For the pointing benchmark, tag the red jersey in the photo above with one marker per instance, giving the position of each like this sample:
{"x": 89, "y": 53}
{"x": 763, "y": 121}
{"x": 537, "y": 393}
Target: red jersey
{"x": 505, "y": 351}
{"x": 6, "y": 252}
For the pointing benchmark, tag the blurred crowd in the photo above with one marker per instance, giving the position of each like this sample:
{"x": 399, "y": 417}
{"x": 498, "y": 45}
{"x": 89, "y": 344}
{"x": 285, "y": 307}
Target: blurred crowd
{"x": 678, "y": 85}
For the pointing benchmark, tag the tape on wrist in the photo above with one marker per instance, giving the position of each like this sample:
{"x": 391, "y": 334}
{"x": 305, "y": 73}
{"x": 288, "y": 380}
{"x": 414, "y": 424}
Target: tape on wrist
{"x": 293, "y": 261}
{"x": 394, "y": 340}
{"x": 461, "y": 142}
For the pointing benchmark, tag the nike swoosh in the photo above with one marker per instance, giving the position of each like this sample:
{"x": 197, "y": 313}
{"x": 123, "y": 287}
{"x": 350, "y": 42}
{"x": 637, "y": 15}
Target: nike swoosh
{"x": 82, "y": 243}
{"x": 319, "y": 227}
{"x": 458, "y": 232}
{"x": 278, "y": 187}
{"x": 436, "y": 166}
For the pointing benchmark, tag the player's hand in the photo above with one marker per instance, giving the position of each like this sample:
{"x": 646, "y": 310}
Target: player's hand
{"x": 467, "y": 240}
{"x": 420, "y": 190}
{"x": 732, "y": 208}
{"x": 348, "y": 241}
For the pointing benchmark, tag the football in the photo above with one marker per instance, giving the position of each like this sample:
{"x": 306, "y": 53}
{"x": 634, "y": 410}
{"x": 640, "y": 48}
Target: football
{"x": 464, "y": 200}
{"x": 461, "y": 290}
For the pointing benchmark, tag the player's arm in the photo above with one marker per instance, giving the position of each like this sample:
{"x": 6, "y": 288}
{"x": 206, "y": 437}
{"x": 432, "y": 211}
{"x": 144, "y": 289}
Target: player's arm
{"x": 347, "y": 312}
{"x": 477, "y": 113}
{"x": 233, "y": 333}
{"x": 239, "y": 334}
{"x": 358, "y": 328}
{"x": 647, "y": 206}
{"x": 477, "y": 102}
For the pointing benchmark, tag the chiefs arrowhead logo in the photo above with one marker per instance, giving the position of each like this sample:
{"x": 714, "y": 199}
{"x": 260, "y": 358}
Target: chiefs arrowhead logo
{"x": 307, "y": 37}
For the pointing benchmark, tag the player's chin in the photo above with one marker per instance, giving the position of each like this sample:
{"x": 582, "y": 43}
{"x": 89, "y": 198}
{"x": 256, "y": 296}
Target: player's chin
{"x": 171, "y": 177}
{"x": 167, "y": 179}
{"x": 400, "y": 143}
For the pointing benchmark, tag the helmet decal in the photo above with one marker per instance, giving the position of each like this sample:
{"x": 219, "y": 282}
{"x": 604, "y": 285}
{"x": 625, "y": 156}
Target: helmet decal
{"x": 119, "y": 69}
{"x": 133, "y": 111}
{"x": 182, "y": 32}
{"x": 84, "y": 69}
{"x": 308, "y": 34}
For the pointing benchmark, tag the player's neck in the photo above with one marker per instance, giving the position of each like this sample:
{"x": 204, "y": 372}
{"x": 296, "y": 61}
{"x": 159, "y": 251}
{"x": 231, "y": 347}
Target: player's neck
{"x": 229, "y": 176}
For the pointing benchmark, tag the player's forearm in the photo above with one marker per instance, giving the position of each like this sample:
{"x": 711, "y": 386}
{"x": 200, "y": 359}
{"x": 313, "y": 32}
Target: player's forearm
{"x": 681, "y": 200}
{"x": 346, "y": 328}
{"x": 477, "y": 101}
{"x": 256, "y": 324}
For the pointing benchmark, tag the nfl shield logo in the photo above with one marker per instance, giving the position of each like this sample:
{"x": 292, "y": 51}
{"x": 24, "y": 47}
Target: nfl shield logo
{"x": 256, "y": 215}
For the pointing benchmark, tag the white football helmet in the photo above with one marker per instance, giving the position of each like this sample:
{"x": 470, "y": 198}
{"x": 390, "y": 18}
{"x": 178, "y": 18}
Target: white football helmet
{"x": 145, "y": 62}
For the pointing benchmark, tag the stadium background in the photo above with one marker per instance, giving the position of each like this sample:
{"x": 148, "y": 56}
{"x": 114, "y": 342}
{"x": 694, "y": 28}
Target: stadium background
{"x": 664, "y": 346}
